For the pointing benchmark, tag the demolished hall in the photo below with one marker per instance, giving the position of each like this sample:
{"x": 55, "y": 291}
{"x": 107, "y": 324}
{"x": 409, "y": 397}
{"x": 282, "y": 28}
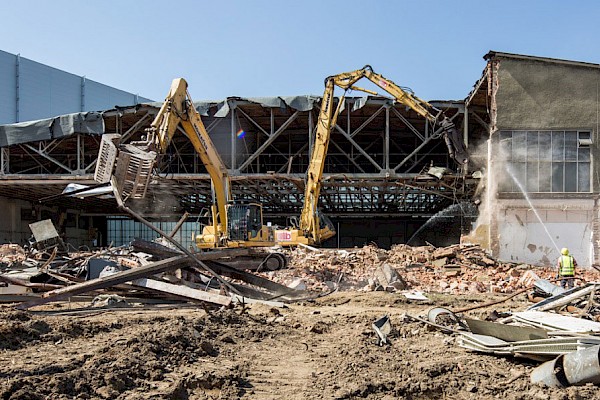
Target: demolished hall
{"x": 539, "y": 114}
{"x": 108, "y": 297}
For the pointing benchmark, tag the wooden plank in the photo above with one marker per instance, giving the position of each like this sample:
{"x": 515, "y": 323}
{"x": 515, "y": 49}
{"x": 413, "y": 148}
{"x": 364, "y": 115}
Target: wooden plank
{"x": 183, "y": 291}
{"x": 276, "y": 289}
{"x": 126, "y": 276}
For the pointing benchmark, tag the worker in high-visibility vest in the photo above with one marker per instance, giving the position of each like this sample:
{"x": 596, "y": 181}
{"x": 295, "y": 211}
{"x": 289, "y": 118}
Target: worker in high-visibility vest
{"x": 566, "y": 269}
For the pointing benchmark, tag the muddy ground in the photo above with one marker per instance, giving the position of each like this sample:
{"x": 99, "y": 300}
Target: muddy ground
{"x": 324, "y": 349}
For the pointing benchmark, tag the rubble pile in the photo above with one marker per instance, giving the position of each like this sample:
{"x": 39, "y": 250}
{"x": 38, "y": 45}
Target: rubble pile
{"x": 10, "y": 253}
{"x": 324, "y": 269}
{"x": 141, "y": 272}
{"x": 453, "y": 270}
{"x": 150, "y": 269}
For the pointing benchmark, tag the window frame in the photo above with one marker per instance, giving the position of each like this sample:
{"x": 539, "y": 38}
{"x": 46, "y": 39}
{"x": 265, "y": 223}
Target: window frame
{"x": 565, "y": 165}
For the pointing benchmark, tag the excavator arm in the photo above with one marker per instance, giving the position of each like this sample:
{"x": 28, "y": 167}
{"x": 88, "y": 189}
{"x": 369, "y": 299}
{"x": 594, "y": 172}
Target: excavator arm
{"x": 454, "y": 142}
{"x": 316, "y": 225}
{"x": 178, "y": 109}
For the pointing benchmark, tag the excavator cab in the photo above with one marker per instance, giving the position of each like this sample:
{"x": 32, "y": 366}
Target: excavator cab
{"x": 244, "y": 221}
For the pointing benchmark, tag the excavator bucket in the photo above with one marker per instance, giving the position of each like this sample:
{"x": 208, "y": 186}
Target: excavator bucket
{"x": 454, "y": 142}
{"x": 133, "y": 171}
{"x": 130, "y": 166}
{"x": 107, "y": 156}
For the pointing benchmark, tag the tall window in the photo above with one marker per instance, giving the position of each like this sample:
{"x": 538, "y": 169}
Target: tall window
{"x": 546, "y": 161}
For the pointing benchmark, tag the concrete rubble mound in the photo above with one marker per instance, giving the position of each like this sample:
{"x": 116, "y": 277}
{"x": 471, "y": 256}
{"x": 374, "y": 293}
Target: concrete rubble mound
{"x": 454, "y": 269}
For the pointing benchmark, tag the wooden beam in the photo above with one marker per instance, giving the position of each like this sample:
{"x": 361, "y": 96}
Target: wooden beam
{"x": 129, "y": 275}
{"x": 183, "y": 291}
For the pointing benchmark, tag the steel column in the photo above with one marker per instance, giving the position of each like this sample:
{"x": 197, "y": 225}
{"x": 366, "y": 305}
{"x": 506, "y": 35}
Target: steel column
{"x": 233, "y": 135}
{"x": 386, "y": 142}
{"x": 4, "y": 161}
{"x": 18, "y": 87}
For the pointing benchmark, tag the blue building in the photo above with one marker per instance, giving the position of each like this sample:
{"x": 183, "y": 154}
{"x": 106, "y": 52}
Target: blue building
{"x": 30, "y": 90}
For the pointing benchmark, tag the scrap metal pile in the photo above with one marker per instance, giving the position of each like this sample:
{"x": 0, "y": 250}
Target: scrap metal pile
{"x": 560, "y": 329}
{"x": 141, "y": 272}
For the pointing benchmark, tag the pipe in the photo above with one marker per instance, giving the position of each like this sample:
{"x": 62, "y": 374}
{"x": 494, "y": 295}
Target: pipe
{"x": 571, "y": 369}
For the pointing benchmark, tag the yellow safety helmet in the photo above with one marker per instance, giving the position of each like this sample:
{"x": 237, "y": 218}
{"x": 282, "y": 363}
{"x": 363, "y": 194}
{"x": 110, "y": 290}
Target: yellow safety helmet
{"x": 564, "y": 251}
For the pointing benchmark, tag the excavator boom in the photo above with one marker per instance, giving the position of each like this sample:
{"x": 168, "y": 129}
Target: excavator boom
{"x": 177, "y": 109}
{"x": 312, "y": 223}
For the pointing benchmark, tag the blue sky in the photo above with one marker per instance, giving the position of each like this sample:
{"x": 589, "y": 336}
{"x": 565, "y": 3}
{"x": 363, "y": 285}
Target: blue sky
{"x": 270, "y": 48}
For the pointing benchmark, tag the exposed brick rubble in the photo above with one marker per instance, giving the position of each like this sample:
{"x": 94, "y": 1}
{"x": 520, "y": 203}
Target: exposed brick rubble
{"x": 454, "y": 269}
{"x": 10, "y": 253}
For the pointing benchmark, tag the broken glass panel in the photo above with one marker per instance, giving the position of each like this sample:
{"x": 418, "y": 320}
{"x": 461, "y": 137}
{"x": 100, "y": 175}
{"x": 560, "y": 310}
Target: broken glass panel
{"x": 558, "y": 146}
{"x": 570, "y": 177}
{"x": 583, "y": 177}
{"x": 557, "y": 177}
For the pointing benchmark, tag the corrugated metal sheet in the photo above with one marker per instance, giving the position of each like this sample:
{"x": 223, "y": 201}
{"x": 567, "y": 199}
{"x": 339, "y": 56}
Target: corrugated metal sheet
{"x": 100, "y": 97}
{"x": 8, "y": 87}
{"x": 46, "y": 92}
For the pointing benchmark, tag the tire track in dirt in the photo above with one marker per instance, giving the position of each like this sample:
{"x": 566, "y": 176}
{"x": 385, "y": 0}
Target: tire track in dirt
{"x": 287, "y": 369}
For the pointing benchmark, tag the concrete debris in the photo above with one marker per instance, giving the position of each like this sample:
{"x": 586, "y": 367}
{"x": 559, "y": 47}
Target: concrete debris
{"x": 452, "y": 270}
{"x": 11, "y": 253}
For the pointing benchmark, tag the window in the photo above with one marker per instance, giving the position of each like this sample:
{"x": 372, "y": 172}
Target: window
{"x": 123, "y": 230}
{"x": 546, "y": 161}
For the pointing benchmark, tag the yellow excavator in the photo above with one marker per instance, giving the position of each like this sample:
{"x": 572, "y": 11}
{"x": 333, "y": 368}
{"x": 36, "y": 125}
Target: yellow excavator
{"x": 311, "y": 226}
{"x": 236, "y": 223}
{"x": 232, "y": 223}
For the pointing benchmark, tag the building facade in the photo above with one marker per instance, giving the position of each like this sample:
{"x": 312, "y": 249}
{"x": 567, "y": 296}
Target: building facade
{"x": 542, "y": 186}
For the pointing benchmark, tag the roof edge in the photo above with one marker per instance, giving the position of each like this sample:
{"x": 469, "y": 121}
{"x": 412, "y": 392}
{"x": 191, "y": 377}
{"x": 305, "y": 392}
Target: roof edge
{"x": 498, "y": 54}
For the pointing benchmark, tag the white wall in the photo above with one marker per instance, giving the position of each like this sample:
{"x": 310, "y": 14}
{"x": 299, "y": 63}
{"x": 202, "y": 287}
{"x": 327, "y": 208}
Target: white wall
{"x": 564, "y": 223}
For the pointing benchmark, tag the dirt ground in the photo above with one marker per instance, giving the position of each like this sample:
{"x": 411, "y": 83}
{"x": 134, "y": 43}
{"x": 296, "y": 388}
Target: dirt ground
{"x": 323, "y": 349}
